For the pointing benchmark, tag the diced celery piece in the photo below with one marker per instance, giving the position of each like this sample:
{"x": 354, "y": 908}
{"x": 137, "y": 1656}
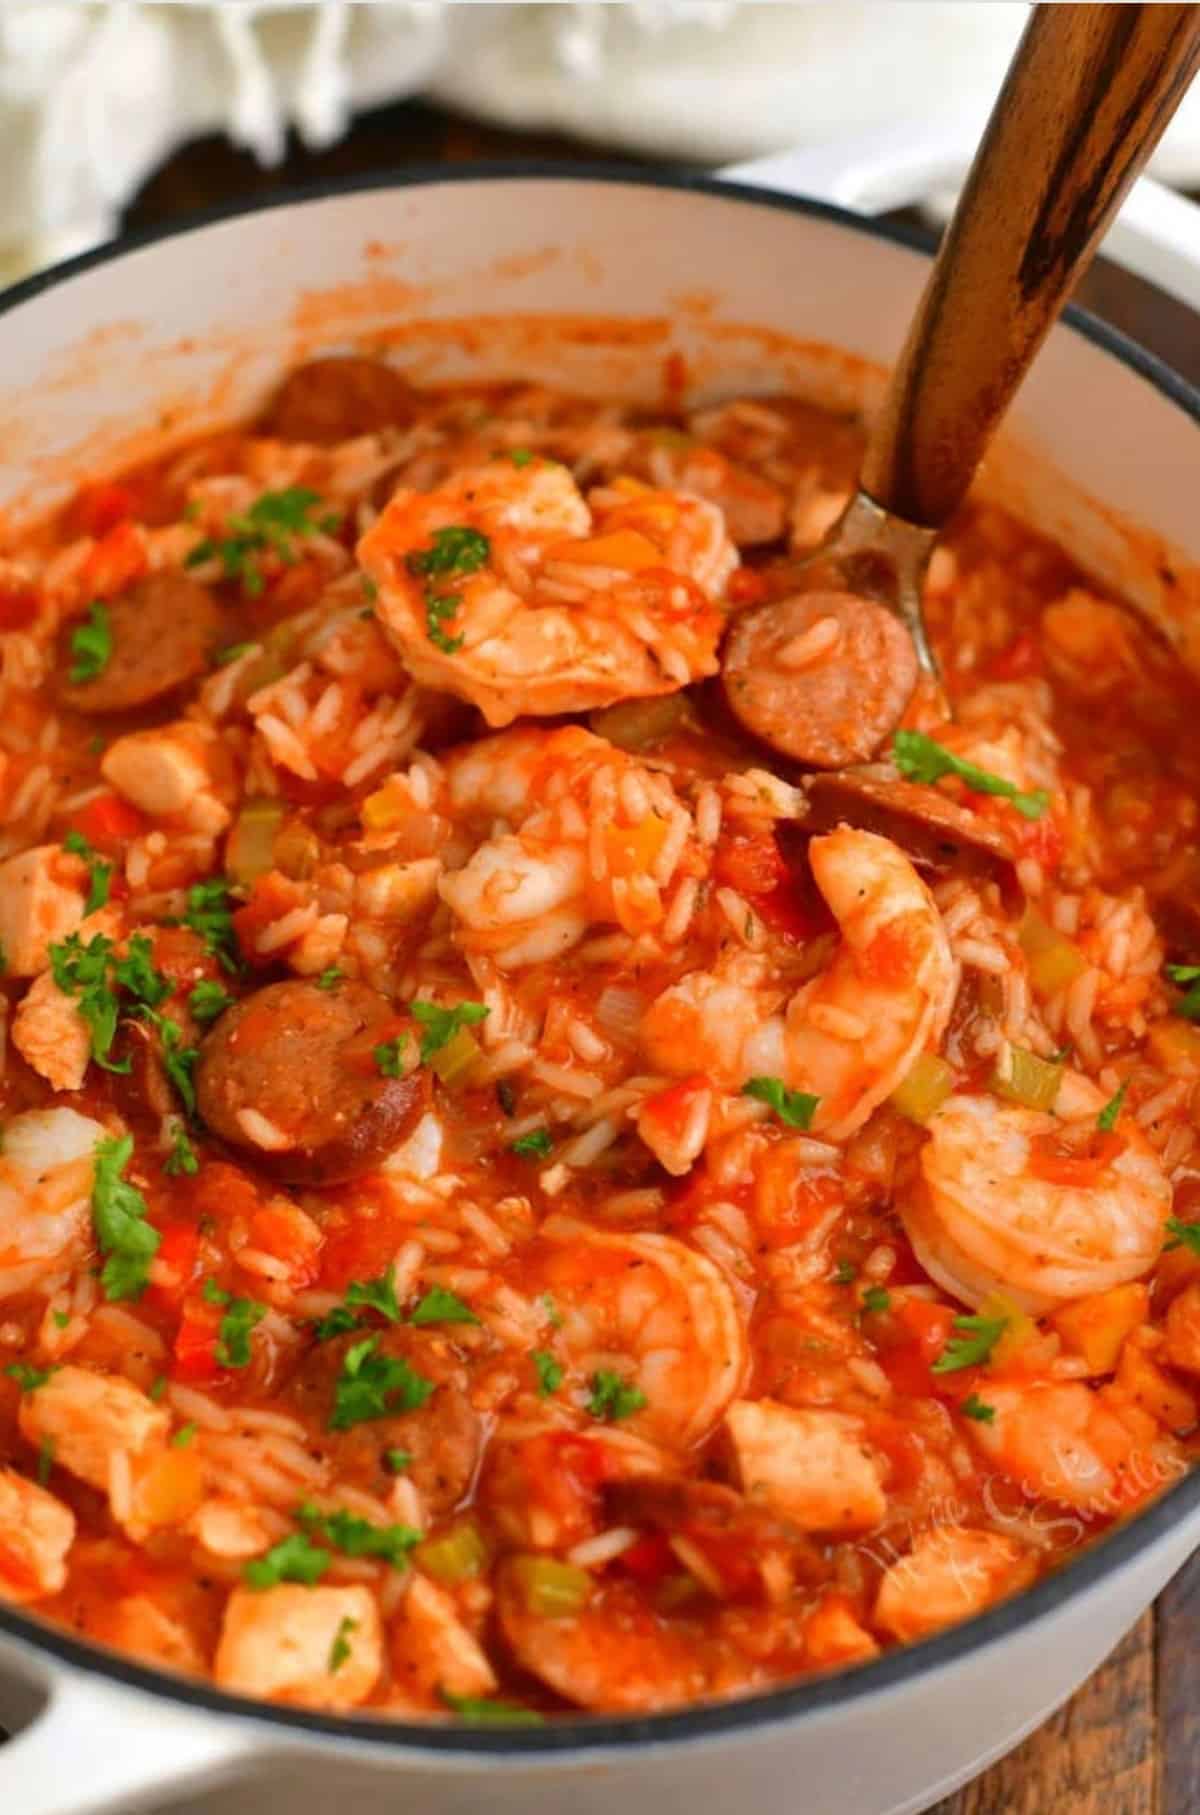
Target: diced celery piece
{"x": 1054, "y": 960}
{"x": 455, "y": 1061}
{"x": 551, "y": 1588}
{"x": 925, "y": 1088}
{"x": 456, "y": 1556}
{"x": 250, "y": 850}
{"x": 1027, "y": 1080}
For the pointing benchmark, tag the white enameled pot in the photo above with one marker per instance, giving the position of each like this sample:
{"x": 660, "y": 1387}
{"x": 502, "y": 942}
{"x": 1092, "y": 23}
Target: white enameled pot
{"x": 594, "y": 281}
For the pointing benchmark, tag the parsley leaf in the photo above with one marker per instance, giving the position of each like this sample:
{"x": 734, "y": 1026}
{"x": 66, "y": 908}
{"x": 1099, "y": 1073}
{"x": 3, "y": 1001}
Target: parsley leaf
{"x": 533, "y": 1146}
{"x": 293, "y": 1559}
{"x": 232, "y": 652}
{"x": 973, "y": 1347}
{"x": 612, "y": 1397}
{"x": 45, "y": 1460}
{"x": 1188, "y": 978}
{"x": 136, "y": 974}
{"x": 440, "y": 1306}
{"x": 91, "y": 645}
{"x": 242, "y": 1315}
{"x": 1106, "y": 1121}
{"x": 549, "y": 1372}
{"x": 456, "y": 549}
{"x": 356, "y": 1537}
{"x": 28, "y": 1378}
{"x": 329, "y": 978}
{"x": 389, "y": 1056}
{"x": 876, "y": 1299}
{"x": 844, "y": 1273}
{"x": 338, "y": 1322}
{"x": 119, "y": 1216}
{"x": 179, "y": 1061}
{"x": 183, "y": 1436}
{"x": 793, "y": 1107}
{"x": 82, "y": 971}
{"x": 271, "y": 524}
{"x": 375, "y": 1386}
{"x": 396, "y": 1460}
{"x": 99, "y": 872}
{"x": 339, "y": 1651}
{"x": 182, "y": 1160}
{"x": 974, "y": 1407}
{"x": 379, "y": 1294}
{"x": 919, "y": 758}
{"x": 441, "y": 1024}
{"x": 210, "y": 915}
{"x": 208, "y": 1000}
{"x": 479, "y": 1710}
{"x": 1184, "y": 1235}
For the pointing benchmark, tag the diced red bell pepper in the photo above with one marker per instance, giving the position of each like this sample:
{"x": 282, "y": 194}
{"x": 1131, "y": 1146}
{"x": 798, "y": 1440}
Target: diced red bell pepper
{"x": 649, "y": 1559}
{"x": 178, "y": 1253}
{"x": 108, "y": 822}
{"x": 117, "y": 560}
{"x": 19, "y": 607}
{"x": 196, "y": 1343}
{"x": 671, "y": 1107}
{"x": 920, "y": 1332}
{"x": 96, "y": 509}
{"x": 1022, "y": 658}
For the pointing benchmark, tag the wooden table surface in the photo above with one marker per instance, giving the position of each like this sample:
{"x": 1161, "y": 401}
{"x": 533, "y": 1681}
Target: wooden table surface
{"x": 1129, "y": 1741}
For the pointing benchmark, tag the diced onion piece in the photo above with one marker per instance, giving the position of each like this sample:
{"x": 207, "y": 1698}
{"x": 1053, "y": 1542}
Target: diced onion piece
{"x": 297, "y": 850}
{"x": 1054, "y": 960}
{"x": 250, "y": 850}
{"x": 620, "y": 1011}
{"x": 1023, "y": 1078}
{"x": 925, "y": 1088}
{"x": 384, "y": 809}
{"x": 1175, "y": 1045}
{"x": 550, "y": 1588}
{"x": 1096, "y": 1327}
{"x": 457, "y": 1059}
{"x": 456, "y": 1556}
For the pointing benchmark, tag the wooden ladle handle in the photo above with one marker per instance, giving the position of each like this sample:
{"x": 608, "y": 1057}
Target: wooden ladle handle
{"x": 1087, "y": 98}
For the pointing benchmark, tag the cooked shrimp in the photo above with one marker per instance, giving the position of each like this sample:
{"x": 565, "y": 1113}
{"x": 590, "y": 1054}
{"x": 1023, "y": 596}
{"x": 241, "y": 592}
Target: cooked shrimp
{"x": 46, "y": 1172}
{"x": 1064, "y": 1441}
{"x": 36, "y": 1532}
{"x": 850, "y": 1035}
{"x": 656, "y": 1313}
{"x": 503, "y": 587}
{"x": 598, "y": 840}
{"x": 753, "y": 509}
{"x": 994, "y": 1211}
{"x": 951, "y": 1572}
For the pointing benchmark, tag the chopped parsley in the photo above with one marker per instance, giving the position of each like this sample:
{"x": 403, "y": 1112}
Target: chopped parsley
{"x": 232, "y": 652}
{"x": 919, "y": 758}
{"x": 61, "y": 1319}
{"x": 549, "y": 1372}
{"x": 99, "y": 872}
{"x": 330, "y": 978}
{"x": 45, "y": 1461}
{"x": 182, "y": 1161}
{"x": 339, "y": 1651}
{"x": 1188, "y": 978}
{"x": 533, "y": 1146}
{"x": 119, "y": 1215}
{"x": 876, "y": 1299}
{"x": 554, "y": 1316}
{"x": 338, "y": 1322}
{"x": 455, "y": 550}
{"x": 271, "y": 524}
{"x": 179, "y": 1061}
{"x": 241, "y": 1316}
{"x": 356, "y": 1537}
{"x": 389, "y": 1056}
{"x": 183, "y": 1436}
{"x": 91, "y": 645}
{"x": 979, "y": 1337}
{"x": 375, "y": 1386}
{"x": 1106, "y": 1121}
{"x": 397, "y": 1460}
{"x": 208, "y": 1000}
{"x": 440, "y": 1306}
{"x": 136, "y": 974}
{"x": 83, "y": 972}
{"x": 478, "y": 1709}
{"x": 158, "y": 1388}
{"x": 844, "y": 1273}
{"x": 441, "y": 1024}
{"x": 974, "y": 1407}
{"x": 793, "y": 1107}
{"x": 28, "y": 1378}
{"x": 378, "y": 1294}
{"x": 210, "y": 916}
{"x": 1183, "y": 1235}
{"x": 294, "y": 1559}
{"x": 520, "y": 456}
{"x": 613, "y": 1398}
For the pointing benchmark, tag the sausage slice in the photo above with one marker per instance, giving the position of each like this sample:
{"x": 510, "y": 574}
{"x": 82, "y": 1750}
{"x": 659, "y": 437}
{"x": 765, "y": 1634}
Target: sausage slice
{"x": 164, "y": 631}
{"x": 288, "y": 1075}
{"x": 935, "y": 832}
{"x": 331, "y": 400}
{"x": 823, "y": 677}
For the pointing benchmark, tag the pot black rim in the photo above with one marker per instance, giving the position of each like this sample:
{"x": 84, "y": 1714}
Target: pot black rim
{"x": 568, "y": 1736}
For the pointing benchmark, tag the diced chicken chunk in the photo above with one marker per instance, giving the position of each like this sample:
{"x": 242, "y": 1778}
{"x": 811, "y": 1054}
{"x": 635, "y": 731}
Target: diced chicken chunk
{"x": 137, "y": 1624}
{"x": 1183, "y": 1330}
{"x": 432, "y": 1649}
{"x": 809, "y": 1465}
{"x": 36, "y": 1532}
{"x": 167, "y": 772}
{"x": 43, "y": 893}
{"x": 91, "y": 1418}
{"x": 833, "y": 1637}
{"x": 950, "y": 1573}
{"x": 321, "y": 1647}
{"x": 51, "y": 1035}
{"x": 46, "y": 1174}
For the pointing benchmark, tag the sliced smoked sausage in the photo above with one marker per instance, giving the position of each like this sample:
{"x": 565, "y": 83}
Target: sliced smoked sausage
{"x": 934, "y": 831}
{"x": 333, "y": 399}
{"x": 823, "y": 677}
{"x": 289, "y": 1075}
{"x": 164, "y": 632}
